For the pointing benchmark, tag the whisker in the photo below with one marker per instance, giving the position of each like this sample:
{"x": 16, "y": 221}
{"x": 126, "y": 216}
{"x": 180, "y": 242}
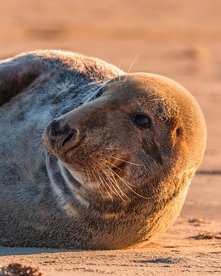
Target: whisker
{"x": 117, "y": 158}
{"x": 95, "y": 94}
{"x": 99, "y": 187}
{"x": 133, "y": 62}
{"x": 109, "y": 186}
{"x": 129, "y": 185}
{"x": 113, "y": 185}
{"x": 115, "y": 181}
{"x": 112, "y": 165}
{"x": 103, "y": 183}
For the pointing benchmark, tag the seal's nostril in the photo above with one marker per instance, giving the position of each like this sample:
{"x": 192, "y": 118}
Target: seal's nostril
{"x": 68, "y": 138}
{"x": 53, "y": 128}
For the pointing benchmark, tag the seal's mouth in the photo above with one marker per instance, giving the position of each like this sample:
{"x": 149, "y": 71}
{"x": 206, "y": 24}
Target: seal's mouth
{"x": 110, "y": 178}
{"x": 117, "y": 168}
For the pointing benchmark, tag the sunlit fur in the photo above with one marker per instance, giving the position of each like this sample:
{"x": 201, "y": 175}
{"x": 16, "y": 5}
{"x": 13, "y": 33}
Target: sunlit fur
{"x": 105, "y": 183}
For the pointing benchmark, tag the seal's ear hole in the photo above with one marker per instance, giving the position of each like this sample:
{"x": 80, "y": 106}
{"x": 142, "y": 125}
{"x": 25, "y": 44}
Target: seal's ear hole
{"x": 179, "y": 132}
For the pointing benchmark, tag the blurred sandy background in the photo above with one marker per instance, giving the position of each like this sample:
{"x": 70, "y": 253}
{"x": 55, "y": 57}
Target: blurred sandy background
{"x": 181, "y": 40}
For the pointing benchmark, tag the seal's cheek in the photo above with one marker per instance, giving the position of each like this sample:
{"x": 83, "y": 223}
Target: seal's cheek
{"x": 151, "y": 149}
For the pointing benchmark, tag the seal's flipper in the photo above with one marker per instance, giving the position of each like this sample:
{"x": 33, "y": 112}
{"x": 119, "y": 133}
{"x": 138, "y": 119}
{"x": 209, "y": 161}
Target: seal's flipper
{"x": 18, "y": 73}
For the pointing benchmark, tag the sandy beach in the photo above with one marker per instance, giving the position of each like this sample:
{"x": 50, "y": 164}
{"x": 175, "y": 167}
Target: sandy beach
{"x": 181, "y": 40}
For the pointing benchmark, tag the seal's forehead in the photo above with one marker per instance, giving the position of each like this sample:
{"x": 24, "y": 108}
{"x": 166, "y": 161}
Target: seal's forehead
{"x": 148, "y": 94}
{"x": 165, "y": 97}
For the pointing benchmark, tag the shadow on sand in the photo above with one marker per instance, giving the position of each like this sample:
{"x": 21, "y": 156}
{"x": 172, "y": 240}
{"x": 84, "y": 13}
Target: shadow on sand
{"x": 13, "y": 251}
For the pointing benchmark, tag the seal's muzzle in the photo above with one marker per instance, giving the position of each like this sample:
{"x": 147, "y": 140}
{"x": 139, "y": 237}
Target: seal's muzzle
{"x": 59, "y": 135}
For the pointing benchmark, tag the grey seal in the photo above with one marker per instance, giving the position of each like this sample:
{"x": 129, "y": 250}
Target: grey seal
{"x": 92, "y": 157}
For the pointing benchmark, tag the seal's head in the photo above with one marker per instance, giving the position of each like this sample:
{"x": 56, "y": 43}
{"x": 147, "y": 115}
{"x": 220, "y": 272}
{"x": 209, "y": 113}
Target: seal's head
{"x": 144, "y": 137}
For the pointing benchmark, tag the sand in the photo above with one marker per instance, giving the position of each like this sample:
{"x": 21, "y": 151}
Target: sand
{"x": 181, "y": 40}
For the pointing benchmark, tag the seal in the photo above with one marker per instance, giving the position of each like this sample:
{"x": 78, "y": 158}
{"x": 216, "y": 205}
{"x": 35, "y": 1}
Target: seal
{"x": 92, "y": 157}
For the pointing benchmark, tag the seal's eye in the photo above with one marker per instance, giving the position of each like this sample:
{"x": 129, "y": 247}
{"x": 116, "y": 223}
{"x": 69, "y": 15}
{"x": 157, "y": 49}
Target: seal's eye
{"x": 141, "y": 120}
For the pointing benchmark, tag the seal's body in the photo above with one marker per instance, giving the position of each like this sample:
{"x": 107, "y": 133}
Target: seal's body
{"x": 91, "y": 157}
